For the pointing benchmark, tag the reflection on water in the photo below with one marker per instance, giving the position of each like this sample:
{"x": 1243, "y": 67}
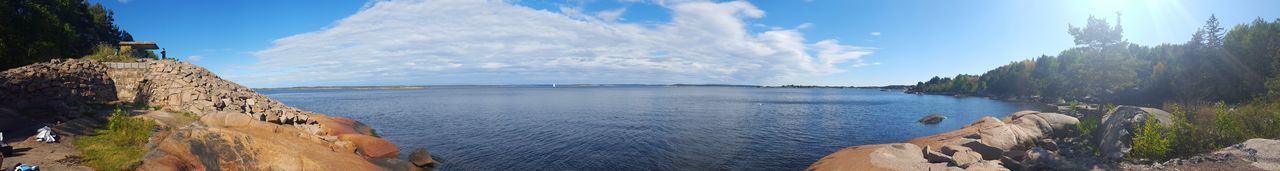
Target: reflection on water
{"x": 640, "y": 128}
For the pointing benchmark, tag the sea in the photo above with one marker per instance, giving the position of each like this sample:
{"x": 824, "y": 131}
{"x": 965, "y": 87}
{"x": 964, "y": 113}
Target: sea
{"x": 641, "y": 127}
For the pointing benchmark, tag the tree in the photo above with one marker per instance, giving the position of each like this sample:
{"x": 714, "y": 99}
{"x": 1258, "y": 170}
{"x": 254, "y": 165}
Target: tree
{"x": 1097, "y": 33}
{"x": 1212, "y": 32}
{"x": 39, "y": 30}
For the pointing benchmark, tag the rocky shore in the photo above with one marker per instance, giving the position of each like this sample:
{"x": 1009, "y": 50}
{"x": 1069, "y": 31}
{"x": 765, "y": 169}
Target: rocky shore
{"x": 1031, "y": 140}
{"x": 231, "y": 127}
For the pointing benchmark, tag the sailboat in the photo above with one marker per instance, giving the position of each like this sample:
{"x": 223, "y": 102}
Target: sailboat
{"x": 553, "y": 85}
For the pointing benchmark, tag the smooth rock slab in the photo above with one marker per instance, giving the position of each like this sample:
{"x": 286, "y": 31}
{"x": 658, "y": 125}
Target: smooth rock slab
{"x": 896, "y": 156}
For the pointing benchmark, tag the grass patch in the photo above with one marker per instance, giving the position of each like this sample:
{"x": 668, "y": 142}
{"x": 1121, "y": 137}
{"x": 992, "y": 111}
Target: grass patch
{"x": 120, "y": 145}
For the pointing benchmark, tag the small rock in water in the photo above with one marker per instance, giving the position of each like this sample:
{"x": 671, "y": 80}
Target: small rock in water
{"x": 421, "y": 158}
{"x": 932, "y": 119}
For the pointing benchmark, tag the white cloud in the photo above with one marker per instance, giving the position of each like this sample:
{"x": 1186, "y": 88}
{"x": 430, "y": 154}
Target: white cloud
{"x": 124, "y": 1}
{"x": 611, "y": 15}
{"x": 803, "y": 26}
{"x": 194, "y": 58}
{"x": 875, "y": 33}
{"x": 496, "y": 42}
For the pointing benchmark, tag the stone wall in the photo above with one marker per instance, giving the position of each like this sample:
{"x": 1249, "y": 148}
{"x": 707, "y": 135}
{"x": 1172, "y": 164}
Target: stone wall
{"x": 126, "y": 76}
{"x": 61, "y": 89}
{"x": 181, "y": 86}
{"x": 276, "y": 136}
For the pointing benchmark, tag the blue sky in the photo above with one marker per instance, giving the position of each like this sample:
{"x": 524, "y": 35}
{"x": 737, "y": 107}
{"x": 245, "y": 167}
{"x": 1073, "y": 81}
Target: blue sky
{"x": 821, "y": 42}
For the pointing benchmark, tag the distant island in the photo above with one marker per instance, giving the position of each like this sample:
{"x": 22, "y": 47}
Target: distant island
{"x": 348, "y": 88}
{"x": 419, "y": 87}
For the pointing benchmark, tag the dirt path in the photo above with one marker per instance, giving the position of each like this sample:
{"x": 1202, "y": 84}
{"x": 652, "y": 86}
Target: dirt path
{"x": 50, "y": 156}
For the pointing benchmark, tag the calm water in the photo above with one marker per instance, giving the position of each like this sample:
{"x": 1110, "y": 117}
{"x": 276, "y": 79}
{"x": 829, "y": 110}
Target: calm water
{"x": 641, "y": 128}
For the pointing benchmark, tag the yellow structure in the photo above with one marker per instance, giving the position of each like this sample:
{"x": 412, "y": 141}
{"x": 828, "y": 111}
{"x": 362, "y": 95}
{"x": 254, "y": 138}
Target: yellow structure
{"x": 125, "y": 46}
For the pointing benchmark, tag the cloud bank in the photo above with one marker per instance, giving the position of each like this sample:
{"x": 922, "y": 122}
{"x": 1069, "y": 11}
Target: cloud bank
{"x": 498, "y": 42}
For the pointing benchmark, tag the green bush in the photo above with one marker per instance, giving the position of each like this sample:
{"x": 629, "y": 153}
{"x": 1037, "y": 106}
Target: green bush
{"x": 1152, "y": 141}
{"x": 120, "y": 145}
{"x": 107, "y": 53}
{"x": 1086, "y": 129}
{"x": 1087, "y": 126}
{"x": 1228, "y": 126}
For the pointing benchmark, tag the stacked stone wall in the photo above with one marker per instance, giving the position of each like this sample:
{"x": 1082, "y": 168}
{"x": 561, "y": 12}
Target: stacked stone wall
{"x": 61, "y": 88}
{"x": 126, "y": 76}
{"x": 184, "y": 87}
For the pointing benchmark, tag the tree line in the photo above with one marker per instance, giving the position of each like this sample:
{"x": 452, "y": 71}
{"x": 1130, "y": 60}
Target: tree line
{"x": 1233, "y": 66}
{"x": 39, "y": 30}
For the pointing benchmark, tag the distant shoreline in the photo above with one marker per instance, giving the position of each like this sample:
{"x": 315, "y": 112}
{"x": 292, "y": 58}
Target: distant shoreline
{"x": 888, "y": 87}
{"x": 349, "y": 88}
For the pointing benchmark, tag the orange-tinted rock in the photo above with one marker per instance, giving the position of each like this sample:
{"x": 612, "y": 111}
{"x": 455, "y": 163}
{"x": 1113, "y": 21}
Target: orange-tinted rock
{"x": 212, "y": 148}
{"x": 339, "y": 125}
{"x": 896, "y": 156}
{"x": 372, "y": 147}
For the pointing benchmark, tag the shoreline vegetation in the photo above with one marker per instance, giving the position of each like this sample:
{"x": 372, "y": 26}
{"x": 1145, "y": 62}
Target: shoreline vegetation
{"x": 1220, "y": 88}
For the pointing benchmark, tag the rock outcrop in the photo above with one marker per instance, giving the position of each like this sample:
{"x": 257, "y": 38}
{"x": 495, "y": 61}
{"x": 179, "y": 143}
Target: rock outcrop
{"x": 1115, "y": 134}
{"x": 234, "y": 127}
{"x": 1253, "y": 154}
{"x": 988, "y": 144}
{"x": 1263, "y": 153}
{"x": 896, "y": 156}
{"x": 240, "y": 122}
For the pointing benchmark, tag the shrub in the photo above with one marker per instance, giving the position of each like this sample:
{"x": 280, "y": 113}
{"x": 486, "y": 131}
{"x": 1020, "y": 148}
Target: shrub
{"x": 1152, "y": 141}
{"x": 1227, "y": 126}
{"x": 120, "y": 145}
{"x": 107, "y": 53}
{"x": 1088, "y": 125}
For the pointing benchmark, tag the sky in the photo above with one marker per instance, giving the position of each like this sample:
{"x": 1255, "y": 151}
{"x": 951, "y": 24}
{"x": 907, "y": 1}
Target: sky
{"x": 287, "y": 43}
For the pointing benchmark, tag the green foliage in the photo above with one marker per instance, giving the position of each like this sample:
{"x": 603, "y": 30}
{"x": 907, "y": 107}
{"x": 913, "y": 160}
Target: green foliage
{"x": 1234, "y": 67}
{"x": 1152, "y": 141}
{"x": 1238, "y": 66}
{"x": 1097, "y": 33}
{"x": 1087, "y": 129}
{"x": 118, "y": 146}
{"x": 39, "y": 30}
{"x": 1227, "y": 126}
{"x": 107, "y": 53}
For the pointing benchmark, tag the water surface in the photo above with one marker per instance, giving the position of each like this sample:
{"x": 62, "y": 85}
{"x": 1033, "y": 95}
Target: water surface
{"x": 641, "y": 127}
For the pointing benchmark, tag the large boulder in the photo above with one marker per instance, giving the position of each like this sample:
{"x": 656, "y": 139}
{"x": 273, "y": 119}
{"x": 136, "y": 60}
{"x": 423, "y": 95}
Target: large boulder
{"x": 1115, "y": 135}
{"x": 1040, "y": 159}
{"x": 1004, "y": 135}
{"x": 896, "y": 156}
